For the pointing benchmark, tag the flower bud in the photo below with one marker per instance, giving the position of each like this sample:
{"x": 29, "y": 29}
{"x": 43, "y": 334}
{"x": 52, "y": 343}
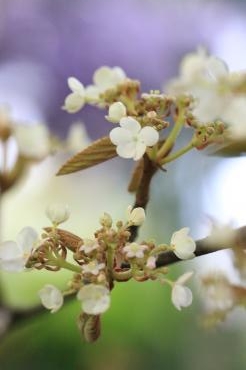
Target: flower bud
{"x": 116, "y": 112}
{"x": 135, "y": 216}
{"x": 106, "y": 220}
{"x": 57, "y": 213}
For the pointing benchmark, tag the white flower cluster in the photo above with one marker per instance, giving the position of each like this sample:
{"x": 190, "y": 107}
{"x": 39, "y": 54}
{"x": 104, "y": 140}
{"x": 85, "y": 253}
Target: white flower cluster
{"x": 207, "y": 78}
{"x": 104, "y": 78}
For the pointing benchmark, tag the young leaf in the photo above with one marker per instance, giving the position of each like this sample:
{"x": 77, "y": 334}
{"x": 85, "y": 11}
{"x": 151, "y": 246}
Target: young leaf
{"x": 98, "y": 152}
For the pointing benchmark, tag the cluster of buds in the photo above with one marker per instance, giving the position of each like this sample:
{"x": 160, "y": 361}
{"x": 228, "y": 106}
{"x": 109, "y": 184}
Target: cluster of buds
{"x": 98, "y": 263}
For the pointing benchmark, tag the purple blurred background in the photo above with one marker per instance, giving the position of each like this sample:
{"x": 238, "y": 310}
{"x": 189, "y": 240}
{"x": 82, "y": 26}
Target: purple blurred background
{"x": 42, "y": 42}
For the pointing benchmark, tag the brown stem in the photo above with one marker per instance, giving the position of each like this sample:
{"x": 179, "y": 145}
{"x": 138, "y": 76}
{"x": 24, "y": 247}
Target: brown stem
{"x": 142, "y": 194}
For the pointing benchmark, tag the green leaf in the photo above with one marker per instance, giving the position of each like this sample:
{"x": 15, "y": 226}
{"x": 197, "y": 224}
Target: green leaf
{"x": 100, "y": 151}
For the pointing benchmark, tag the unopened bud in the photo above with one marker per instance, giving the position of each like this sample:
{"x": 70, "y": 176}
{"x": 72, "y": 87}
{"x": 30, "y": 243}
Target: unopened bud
{"x": 106, "y": 220}
{"x": 57, "y": 213}
{"x": 116, "y": 111}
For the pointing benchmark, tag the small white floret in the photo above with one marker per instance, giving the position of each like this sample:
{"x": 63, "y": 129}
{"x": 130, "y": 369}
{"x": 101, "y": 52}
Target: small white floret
{"x": 95, "y": 299}
{"x": 51, "y": 298}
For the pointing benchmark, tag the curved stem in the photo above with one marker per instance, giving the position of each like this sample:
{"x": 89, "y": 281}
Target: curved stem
{"x": 177, "y": 154}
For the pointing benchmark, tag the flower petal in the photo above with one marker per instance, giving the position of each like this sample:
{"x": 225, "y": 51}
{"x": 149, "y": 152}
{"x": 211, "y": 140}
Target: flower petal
{"x": 120, "y": 136}
{"x": 140, "y": 149}
{"x": 74, "y": 102}
{"x": 9, "y": 250}
{"x": 130, "y": 124}
{"x": 149, "y": 136}
{"x": 181, "y": 296}
{"x": 95, "y": 299}
{"x": 26, "y": 239}
{"x": 75, "y": 85}
{"x": 13, "y": 265}
{"x": 126, "y": 150}
{"x": 51, "y": 297}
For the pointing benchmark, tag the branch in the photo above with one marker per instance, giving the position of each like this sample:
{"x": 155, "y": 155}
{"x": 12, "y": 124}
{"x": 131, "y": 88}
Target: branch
{"x": 203, "y": 247}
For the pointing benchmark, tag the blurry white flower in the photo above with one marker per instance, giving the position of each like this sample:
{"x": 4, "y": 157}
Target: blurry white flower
{"x": 151, "y": 263}
{"x": 93, "y": 267}
{"x": 183, "y": 245}
{"x": 200, "y": 76}
{"x": 234, "y": 114}
{"x": 57, "y": 213}
{"x": 14, "y": 255}
{"x": 181, "y": 295}
{"x": 131, "y": 139}
{"x": 135, "y": 250}
{"x": 76, "y": 100}
{"x": 51, "y": 297}
{"x": 77, "y": 138}
{"x": 95, "y": 299}
{"x": 218, "y": 294}
{"x": 33, "y": 140}
{"x": 201, "y": 67}
{"x": 89, "y": 245}
{"x": 135, "y": 216}
{"x": 116, "y": 111}
{"x": 104, "y": 78}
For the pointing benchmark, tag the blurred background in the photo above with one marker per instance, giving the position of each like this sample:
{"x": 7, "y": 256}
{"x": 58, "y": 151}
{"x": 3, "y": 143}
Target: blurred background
{"x": 42, "y": 43}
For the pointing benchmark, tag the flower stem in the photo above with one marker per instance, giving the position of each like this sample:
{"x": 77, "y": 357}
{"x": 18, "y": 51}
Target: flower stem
{"x": 167, "y": 145}
{"x": 177, "y": 154}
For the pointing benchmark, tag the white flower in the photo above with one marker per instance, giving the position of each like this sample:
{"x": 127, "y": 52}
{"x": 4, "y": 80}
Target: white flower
{"x": 135, "y": 216}
{"x": 76, "y": 100}
{"x": 218, "y": 294}
{"x": 77, "y": 138}
{"x": 201, "y": 75}
{"x": 57, "y": 213}
{"x": 116, "y": 111}
{"x": 95, "y": 299}
{"x": 14, "y": 255}
{"x": 131, "y": 139}
{"x": 93, "y": 267}
{"x": 181, "y": 295}
{"x": 182, "y": 244}
{"x": 89, "y": 245}
{"x": 33, "y": 140}
{"x": 151, "y": 263}
{"x": 104, "y": 78}
{"x": 135, "y": 250}
{"x": 51, "y": 297}
{"x": 234, "y": 114}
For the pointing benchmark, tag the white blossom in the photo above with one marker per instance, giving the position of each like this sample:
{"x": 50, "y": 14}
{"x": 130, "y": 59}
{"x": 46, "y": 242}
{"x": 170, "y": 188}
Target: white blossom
{"x": 132, "y": 140}
{"x": 95, "y": 299}
{"x": 51, "y": 297}
{"x": 183, "y": 245}
{"x": 75, "y": 100}
{"x": 135, "y": 216}
{"x": 104, "y": 78}
{"x": 14, "y": 255}
{"x": 89, "y": 245}
{"x": 57, "y": 213}
{"x": 135, "y": 250}
{"x": 181, "y": 295}
{"x": 92, "y": 267}
{"x": 218, "y": 295}
{"x": 33, "y": 141}
{"x": 116, "y": 111}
